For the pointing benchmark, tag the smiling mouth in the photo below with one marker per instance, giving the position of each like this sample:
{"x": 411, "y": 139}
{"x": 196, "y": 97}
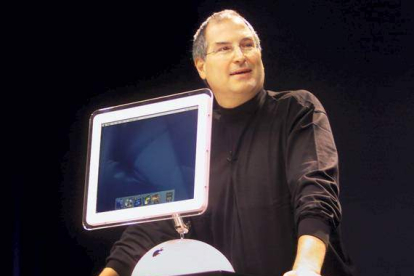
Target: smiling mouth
{"x": 240, "y": 72}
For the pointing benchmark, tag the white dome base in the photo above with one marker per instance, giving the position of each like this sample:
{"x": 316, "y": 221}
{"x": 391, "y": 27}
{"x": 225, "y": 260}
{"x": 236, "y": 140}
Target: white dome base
{"x": 180, "y": 257}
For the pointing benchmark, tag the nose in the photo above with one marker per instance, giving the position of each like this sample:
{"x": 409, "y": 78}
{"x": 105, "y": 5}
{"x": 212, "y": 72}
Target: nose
{"x": 238, "y": 55}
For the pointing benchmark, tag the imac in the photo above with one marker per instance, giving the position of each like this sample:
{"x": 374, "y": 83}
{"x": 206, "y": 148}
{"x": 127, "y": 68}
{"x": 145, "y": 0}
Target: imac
{"x": 150, "y": 161}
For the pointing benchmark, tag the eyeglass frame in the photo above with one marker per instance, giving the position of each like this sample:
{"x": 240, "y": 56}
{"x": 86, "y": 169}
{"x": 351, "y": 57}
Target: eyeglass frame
{"x": 220, "y": 51}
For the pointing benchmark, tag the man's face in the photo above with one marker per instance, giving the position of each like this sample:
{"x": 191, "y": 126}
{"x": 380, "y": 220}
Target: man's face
{"x": 233, "y": 66}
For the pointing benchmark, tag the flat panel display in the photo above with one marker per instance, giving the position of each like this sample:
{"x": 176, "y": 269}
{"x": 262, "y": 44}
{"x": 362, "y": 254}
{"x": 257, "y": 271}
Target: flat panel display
{"x": 148, "y": 160}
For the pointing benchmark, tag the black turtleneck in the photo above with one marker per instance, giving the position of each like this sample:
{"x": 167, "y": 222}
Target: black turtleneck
{"x": 273, "y": 177}
{"x": 234, "y": 122}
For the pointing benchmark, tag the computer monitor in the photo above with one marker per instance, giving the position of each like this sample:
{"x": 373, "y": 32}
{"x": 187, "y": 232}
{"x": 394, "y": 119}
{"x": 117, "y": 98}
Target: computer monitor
{"x": 148, "y": 160}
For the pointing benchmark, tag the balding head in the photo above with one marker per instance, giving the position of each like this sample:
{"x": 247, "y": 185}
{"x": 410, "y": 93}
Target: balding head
{"x": 200, "y": 43}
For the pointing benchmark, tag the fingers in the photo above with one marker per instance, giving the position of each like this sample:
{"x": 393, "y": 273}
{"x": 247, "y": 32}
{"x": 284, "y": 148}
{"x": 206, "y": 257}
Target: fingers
{"x": 301, "y": 273}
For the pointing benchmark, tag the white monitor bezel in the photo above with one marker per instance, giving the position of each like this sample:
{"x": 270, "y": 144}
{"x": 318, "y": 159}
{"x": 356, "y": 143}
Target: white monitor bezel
{"x": 203, "y": 100}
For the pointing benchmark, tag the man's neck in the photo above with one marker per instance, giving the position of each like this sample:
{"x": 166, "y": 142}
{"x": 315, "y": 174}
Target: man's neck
{"x": 234, "y": 100}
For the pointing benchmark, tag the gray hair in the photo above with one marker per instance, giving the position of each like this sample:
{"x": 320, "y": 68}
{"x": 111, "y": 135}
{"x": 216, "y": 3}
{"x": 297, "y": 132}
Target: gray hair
{"x": 200, "y": 43}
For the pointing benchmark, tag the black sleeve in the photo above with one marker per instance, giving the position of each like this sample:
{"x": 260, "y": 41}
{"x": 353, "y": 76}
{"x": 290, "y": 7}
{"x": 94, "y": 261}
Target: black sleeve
{"x": 312, "y": 167}
{"x": 136, "y": 241}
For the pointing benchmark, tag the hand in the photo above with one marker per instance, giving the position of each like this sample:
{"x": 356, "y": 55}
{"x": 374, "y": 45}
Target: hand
{"x": 309, "y": 257}
{"x": 301, "y": 272}
{"x": 108, "y": 272}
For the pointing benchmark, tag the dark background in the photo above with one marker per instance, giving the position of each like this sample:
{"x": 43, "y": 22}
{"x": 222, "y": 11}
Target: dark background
{"x": 68, "y": 60}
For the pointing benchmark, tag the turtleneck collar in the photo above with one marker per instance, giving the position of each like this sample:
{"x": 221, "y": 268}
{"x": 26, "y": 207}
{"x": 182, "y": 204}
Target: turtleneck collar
{"x": 242, "y": 111}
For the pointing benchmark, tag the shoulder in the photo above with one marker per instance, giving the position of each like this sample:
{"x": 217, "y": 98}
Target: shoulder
{"x": 301, "y": 98}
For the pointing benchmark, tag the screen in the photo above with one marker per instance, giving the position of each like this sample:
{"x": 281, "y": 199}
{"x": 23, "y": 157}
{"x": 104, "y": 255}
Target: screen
{"x": 147, "y": 160}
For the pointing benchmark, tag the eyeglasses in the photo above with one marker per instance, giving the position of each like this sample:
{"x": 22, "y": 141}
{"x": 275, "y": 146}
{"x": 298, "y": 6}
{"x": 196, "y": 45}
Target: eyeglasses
{"x": 227, "y": 49}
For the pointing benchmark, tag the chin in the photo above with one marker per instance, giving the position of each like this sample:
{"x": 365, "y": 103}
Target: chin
{"x": 246, "y": 89}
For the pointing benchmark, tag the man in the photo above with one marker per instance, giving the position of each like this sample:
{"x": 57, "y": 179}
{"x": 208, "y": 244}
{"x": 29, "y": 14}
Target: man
{"x": 273, "y": 203}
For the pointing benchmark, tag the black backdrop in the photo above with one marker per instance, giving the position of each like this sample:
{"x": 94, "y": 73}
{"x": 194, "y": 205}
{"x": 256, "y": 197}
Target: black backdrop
{"x": 355, "y": 56}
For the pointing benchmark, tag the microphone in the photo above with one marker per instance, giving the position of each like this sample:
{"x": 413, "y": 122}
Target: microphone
{"x": 232, "y": 157}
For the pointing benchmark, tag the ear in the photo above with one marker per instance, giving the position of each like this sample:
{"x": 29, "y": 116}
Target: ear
{"x": 200, "y": 65}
